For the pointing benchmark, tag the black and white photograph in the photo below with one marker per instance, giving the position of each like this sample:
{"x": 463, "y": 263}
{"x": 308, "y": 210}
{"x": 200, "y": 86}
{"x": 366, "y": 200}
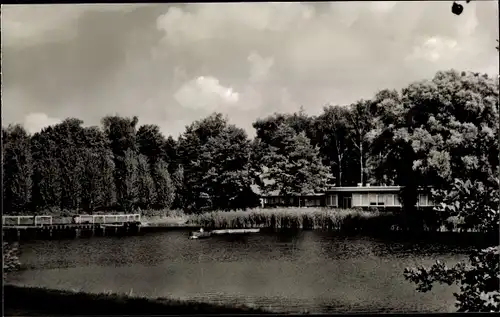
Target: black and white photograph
{"x": 250, "y": 158}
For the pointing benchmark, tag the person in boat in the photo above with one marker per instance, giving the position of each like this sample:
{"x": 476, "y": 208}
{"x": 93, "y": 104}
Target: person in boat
{"x": 201, "y": 230}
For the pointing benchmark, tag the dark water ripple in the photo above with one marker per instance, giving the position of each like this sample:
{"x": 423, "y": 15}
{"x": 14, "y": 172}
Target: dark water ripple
{"x": 293, "y": 272}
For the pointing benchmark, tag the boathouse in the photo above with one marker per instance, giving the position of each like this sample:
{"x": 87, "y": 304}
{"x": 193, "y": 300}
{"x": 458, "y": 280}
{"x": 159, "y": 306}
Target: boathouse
{"x": 381, "y": 197}
{"x": 384, "y": 197}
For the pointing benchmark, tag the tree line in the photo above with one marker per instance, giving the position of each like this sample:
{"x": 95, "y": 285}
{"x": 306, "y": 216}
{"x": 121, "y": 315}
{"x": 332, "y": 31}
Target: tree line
{"x": 432, "y": 132}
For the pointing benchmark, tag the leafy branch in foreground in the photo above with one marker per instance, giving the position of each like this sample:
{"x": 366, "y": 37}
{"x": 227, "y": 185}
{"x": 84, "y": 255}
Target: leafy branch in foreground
{"x": 473, "y": 202}
{"x": 479, "y": 281}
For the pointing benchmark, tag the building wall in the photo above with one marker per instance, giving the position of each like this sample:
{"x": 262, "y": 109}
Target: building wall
{"x": 373, "y": 199}
{"x": 358, "y": 199}
{"x": 275, "y": 201}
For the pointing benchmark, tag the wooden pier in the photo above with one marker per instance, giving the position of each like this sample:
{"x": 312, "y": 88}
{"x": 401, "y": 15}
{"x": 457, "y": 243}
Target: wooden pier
{"x": 46, "y": 227}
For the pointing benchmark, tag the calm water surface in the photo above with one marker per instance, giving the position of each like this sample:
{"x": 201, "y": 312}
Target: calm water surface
{"x": 313, "y": 271}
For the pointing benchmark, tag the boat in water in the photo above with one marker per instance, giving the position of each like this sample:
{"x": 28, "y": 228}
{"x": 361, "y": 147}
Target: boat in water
{"x": 202, "y": 235}
{"x": 199, "y": 235}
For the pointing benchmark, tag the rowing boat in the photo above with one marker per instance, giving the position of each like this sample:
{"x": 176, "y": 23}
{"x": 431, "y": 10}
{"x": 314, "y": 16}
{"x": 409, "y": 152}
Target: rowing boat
{"x": 203, "y": 235}
{"x": 234, "y": 231}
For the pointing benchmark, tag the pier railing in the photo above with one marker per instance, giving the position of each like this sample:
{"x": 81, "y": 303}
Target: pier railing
{"x": 26, "y": 220}
{"x": 48, "y": 220}
{"x": 107, "y": 218}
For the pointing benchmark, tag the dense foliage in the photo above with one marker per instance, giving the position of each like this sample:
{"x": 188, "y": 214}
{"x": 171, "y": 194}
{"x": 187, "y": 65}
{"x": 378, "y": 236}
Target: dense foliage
{"x": 429, "y": 133}
{"x": 469, "y": 155}
{"x": 479, "y": 279}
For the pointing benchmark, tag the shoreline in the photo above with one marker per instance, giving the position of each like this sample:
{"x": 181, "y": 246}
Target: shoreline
{"x": 351, "y": 221}
{"x": 29, "y": 301}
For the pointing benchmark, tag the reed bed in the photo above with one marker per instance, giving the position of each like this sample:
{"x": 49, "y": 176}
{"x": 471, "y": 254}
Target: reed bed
{"x": 295, "y": 218}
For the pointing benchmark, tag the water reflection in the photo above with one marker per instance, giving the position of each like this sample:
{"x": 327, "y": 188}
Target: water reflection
{"x": 287, "y": 272}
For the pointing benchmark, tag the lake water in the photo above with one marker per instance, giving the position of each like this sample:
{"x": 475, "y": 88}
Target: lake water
{"x": 314, "y": 271}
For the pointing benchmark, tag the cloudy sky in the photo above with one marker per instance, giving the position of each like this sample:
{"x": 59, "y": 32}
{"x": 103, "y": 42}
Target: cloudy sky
{"x": 171, "y": 64}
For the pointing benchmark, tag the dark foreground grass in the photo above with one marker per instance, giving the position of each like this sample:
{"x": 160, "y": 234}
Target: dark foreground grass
{"x": 29, "y": 301}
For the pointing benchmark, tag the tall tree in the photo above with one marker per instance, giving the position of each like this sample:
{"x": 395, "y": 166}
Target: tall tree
{"x": 144, "y": 183}
{"x": 121, "y": 133}
{"x": 46, "y": 174}
{"x": 89, "y": 180}
{"x": 215, "y": 159}
{"x": 178, "y": 183}
{"x": 170, "y": 154}
{"x": 97, "y": 183}
{"x": 333, "y": 127}
{"x": 17, "y": 169}
{"x": 360, "y": 123}
{"x": 301, "y": 122}
{"x": 443, "y": 129}
{"x": 151, "y": 142}
{"x": 164, "y": 186}
{"x": 298, "y": 121}
{"x": 71, "y": 170}
{"x": 129, "y": 191}
{"x": 290, "y": 164}
{"x": 384, "y": 108}
{"x": 476, "y": 203}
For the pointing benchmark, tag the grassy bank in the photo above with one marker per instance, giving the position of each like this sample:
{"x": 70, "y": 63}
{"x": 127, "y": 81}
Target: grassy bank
{"x": 29, "y": 301}
{"x": 282, "y": 218}
{"x": 164, "y": 218}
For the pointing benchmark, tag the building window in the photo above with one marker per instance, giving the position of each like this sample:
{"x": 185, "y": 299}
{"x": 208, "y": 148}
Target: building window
{"x": 396, "y": 200}
{"x": 364, "y": 200}
{"x": 422, "y": 200}
{"x": 356, "y": 200}
{"x": 333, "y": 200}
{"x": 387, "y": 199}
{"x": 373, "y": 199}
{"x": 380, "y": 199}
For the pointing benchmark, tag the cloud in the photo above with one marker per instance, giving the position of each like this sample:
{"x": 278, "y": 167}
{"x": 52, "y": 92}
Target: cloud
{"x": 29, "y": 25}
{"x": 36, "y": 121}
{"x": 210, "y": 20}
{"x": 434, "y": 48}
{"x": 88, "y": 61}
{"x": 206, "y": 93}
{"x": 383, "y": 6}
{"x": 259, "y": 67}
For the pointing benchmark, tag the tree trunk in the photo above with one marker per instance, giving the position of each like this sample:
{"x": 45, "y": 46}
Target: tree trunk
{"x": 361, "y": 162}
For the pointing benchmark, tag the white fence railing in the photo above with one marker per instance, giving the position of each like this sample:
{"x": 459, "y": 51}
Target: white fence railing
{"x": 107, "y": 218}
{"x": 47, "y": 220}
{"x": 26, "y": 220}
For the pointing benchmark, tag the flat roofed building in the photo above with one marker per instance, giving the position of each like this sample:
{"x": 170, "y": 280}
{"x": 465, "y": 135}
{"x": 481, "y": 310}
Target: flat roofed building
{"x": 383, "y": 197}
{"x": 369, "y": 196}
